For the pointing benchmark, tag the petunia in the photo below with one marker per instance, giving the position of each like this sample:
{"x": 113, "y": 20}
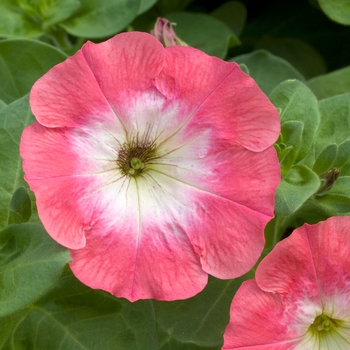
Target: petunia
{"x": 153, "y": 165}
{"x": 300, "y": 298}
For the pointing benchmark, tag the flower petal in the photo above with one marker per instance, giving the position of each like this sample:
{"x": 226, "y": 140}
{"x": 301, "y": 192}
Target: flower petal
{"x": 124, "y": 65}
{"x": 329, "y": 243}
{"x": 90, "y": 86}
{"x": 62, "y": 166}
{"x": 312, "y": 263}
{"x": 219, "y": 95}
{"x": 68, "y": 95}
{"x": 230, "y": 238}
{"x": 196, "y": 156}
{"x": 290, "y": 268}
{"x": 262, "y": 320}
{"x": 229, "y": 171}
{"x": 226, "y": 236}
{"x": 143, "y": 252}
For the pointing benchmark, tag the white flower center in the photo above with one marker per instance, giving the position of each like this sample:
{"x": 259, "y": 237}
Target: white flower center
{"x": 327, "y": 333}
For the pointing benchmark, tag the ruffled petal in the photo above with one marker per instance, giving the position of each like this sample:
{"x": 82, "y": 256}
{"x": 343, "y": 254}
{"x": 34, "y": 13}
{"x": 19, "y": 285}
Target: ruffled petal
{"x": 125, "y": 65}
{"x": 229, "y": 171}
{"x": 231, "y": 237}
{"x": 262, "y": 320}
{"x": 329, "y": 243}
{"x": 62, "y": 167}
{"x": 227, "y": 237}
{"x": 219, "y": 95}
{"x": 138, "y": 248}
{"x": 312, "y": 263}
{"x": 290, "y": 268}
{"x": 90, "y": 86}
{"x": 68, "y": 95}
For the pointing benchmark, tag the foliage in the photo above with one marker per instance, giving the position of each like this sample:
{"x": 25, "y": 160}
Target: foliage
{"x": 304, "y": 69}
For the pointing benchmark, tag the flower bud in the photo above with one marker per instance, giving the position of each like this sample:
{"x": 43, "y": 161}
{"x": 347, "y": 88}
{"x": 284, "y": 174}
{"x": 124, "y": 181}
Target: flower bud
{"x": 164, "y": 32}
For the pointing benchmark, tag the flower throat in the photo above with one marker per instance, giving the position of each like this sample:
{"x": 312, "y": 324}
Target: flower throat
{"x": 135, "y": 155}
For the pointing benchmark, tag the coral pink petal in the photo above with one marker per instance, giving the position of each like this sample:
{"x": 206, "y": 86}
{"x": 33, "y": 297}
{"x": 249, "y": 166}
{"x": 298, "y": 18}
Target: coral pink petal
{"x": 261, "y": 320}
{"x": 230, "y": 238}
{"x": 229, "y": 171}
{"x": 69, "y": 95}
{"x": 124, "y": 65}
{"x": 290, "y": 268}
{"x": 143, "y": 252}
{"x": 312, "y": 263}
{"x": 228, "y": 98}
{"x": 329, "y": 243}
{"x": 163, "y": 237}
{"x": 61, "y": 170}
{"x": 227, "y": 237}
{"x": 137, "y": 264}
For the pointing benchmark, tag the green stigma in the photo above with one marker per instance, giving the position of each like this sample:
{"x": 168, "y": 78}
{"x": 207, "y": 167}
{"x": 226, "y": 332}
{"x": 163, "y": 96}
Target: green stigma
{"x": 136, "y": 154}
{"x": 323, "y": 323}
{"x": 136, "y": 163}
{"x": 326, "y": 330}
{"x": 327, "y": 325}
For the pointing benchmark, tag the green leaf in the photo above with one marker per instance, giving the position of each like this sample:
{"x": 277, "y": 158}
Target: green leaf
{"x": 343, "y": 154}
{"x": 75, "y": 317}
{"x": 203, "y": 318}
{"x": 329, "y": 157}
{"x": 335, "y": 122}
{"x": 297, "y": 103}
{"x": 244, "y": 68}
{"x": 145, "y": 5}
{"x": 16, "y": 23}
{"x": 13, "y": 119}
{"x": 20, "y": 209}
{"x": 325, "y": 159}
{"x": 267, "y": 70}
{"x": 101, "y": 18}
{"x": 22, "y": 62}
{"x": 334, "y": 204}
{"x": 2, "y": 105}
{"x": 291, "y": 135}
{"x": 331, "y": 84}
{"x": 233, "y": 14}
{"x": 337, "y": 10}
{"x": 167, "y": 342}
{"x": 301, "y": 55}
{"x": 30, "y": 264}
{"x": 31, "y": 19}
{"x": 341, "y": 186}
{"x": 297, "y": 186}
{"x": 58, "y": 11}
{"x": 204, "y": 32}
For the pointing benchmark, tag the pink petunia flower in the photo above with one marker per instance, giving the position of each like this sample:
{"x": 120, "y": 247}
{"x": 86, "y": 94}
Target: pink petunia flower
{"x": 153, "y": 165}
{"x": 300, "y": 298}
